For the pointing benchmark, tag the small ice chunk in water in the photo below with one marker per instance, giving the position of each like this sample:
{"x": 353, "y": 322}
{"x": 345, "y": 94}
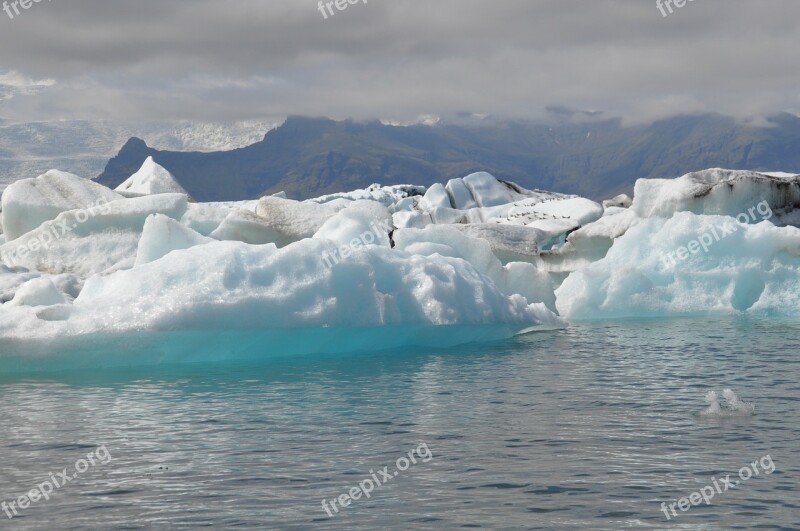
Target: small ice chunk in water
{"x": 733, "y": 405}
{"x": 713, "y": 404}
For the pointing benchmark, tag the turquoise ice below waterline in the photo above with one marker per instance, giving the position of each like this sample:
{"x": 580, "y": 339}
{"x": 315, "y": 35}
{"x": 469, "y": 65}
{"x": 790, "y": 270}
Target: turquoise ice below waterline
{"x": 591, "y": 427}
{"x": 151, "y": 349}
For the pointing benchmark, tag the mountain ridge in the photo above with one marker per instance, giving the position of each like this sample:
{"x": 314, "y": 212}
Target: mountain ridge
{"x": 308, "y": 157}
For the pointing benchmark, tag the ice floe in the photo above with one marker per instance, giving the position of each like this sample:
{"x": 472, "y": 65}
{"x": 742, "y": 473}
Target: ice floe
{"x": 734, "y": 407}
{"x": 690, "y": 265}
{"x": 28, "y": 203}
{"x": 79, "y": 260}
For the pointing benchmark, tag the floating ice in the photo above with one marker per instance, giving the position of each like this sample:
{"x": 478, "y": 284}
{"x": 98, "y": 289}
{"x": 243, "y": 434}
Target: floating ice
{"x": 734, "y": 407}
{"x": 161, "y": 235}
{"x": 30, "y": 202}
{"x": 386, "y": 195}
{"x": 275, "y": 220}
{"x": 91, "y": 241}
{"x": 151, "y": 179}
{"x": 517, "y": 277}
{"x": 744, "y": 268}
{"x": 712, "y": 192}
{"x": 478, "y": 256}
{"x": 361, "y": 223}
{"x": 713, "y": 409}
{"x": 236, "y": 286}
{"x": 715, "y": 191}
{"x": 205, "y": 218}
{"x": 735, "y": 404}
{"x": 154, "y": 263}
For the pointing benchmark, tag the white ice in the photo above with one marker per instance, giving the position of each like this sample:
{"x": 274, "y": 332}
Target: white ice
{"x": 742, "y": 268}
{"x": 151, "y": 179}
{"x": 88, "y": 242}
{"x": 28, "y": 203}
{"x": 80, "y": 259}
{"x": 734, "y": 407}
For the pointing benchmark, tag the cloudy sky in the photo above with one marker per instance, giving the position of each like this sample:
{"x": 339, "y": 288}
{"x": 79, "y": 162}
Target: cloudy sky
{"x": 219, "y": 60}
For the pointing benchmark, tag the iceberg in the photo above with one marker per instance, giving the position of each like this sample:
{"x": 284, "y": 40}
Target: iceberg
{"x": 386, "y": 195}
{"x": 154, "y": 266}
{"x": 475, "y": 258}
{"x": 150, "y": 179}
{"x": 28, "y": 203}
{"x": 481, "y": 200}
{"x": 729, "y": 268}
{"x": 88, "y": 242}
{"x": 185, "y": 303}
{"x": 743, "y": 196}
{"x": 232, "y": 285}
{"x": 715, "y": 191}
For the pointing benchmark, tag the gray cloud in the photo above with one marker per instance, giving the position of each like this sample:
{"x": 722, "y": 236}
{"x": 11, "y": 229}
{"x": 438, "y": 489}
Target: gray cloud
{"x": 397, "y": 59}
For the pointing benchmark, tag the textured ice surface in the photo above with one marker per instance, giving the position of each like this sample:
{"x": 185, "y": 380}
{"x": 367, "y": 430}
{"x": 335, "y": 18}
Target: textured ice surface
{"x": 620, "y": 201}
{"x": 30, "y": 202}
{"x": 276, "y": 220}
{"x": 155, "y": 263}
{"x": 744, "y": 196}
{"x": 89, "y": 242}
{"x": 516, "y": 277}
{"x": 510, "y": 243}
{"x": 205, "y": 218}
{"x": 37, "y": 292}
{"x": 475, "y": 254}
{"x": 236, "y": 286}
{"x": 715, "y": 191}
{"x": 161, "y": 235}
{"x": 750, "y": 268}
{"x": 386, "y": 195}
{"x": 361, "y": 223}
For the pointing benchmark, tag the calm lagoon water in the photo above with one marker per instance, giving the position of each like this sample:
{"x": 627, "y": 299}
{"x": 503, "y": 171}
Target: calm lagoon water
{"x": 591, "y": 427}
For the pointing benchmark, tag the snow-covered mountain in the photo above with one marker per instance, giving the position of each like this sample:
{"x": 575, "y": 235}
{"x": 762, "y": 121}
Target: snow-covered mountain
{"x": 84, "y": 147}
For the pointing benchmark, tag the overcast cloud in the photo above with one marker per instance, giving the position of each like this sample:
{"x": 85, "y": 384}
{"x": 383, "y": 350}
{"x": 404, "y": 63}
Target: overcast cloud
{"x": 396, "y": 59}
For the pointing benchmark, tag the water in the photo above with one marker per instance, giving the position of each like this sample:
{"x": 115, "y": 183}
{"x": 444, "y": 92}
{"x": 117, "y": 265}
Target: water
{"x": 591, "y": 427}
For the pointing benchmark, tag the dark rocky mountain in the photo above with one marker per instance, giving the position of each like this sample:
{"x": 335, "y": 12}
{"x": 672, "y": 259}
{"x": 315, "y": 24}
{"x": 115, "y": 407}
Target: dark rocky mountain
{"x": 308, "y": 156}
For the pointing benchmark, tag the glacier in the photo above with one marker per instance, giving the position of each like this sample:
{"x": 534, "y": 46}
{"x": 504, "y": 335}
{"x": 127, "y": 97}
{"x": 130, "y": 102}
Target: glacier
{"x": 400, "y": 266}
